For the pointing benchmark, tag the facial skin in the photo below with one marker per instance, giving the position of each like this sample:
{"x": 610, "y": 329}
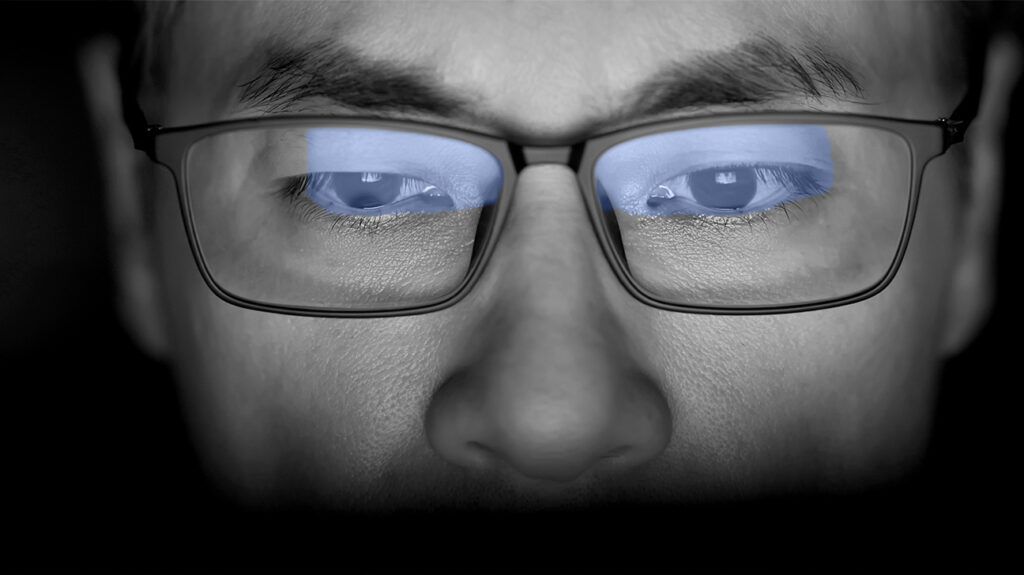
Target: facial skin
{"x": 549, "y": 384}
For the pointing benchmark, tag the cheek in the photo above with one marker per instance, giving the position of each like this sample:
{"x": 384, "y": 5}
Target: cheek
{"x": 831, "y": 396}
{"x": 842, "y": 395}
{"x": 274, "y": 398}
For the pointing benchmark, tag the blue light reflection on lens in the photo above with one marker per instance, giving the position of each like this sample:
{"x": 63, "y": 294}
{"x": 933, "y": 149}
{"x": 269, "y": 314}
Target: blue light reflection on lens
{"x": 723, "y": 170}
{"x": 369, "y": 171}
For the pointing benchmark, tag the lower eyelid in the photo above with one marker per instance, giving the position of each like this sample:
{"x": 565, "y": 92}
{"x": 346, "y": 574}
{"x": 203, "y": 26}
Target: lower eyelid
{"x": 310, "y": 212}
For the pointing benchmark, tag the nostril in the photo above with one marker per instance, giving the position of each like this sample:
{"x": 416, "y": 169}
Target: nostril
{"x": 476, "y": 446}
{"x": 617, "y": 452}
{"x": 481, "y": 454}
{"x": 485, "y": 456}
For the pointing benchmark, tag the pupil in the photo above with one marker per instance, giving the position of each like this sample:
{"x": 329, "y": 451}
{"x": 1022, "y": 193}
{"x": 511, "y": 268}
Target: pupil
{"x": 367, "y": 189}
{"x": 729, "y": 189}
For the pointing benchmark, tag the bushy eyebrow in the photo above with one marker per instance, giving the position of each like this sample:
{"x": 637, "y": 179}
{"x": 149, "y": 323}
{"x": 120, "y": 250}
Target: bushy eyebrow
{"x": 756, "y": 71}
{"x": 290, "y": 76}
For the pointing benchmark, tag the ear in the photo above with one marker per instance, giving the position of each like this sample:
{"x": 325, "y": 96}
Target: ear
{"x": 125, "y": 173}
{"x": 973, "y": 282}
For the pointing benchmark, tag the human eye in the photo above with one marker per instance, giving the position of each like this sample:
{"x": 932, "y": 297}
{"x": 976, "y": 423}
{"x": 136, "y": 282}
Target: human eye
{"x": 737, "y": 189}
{"x": 366, "y": 178}
{"x": 721, "y": 174}
{"x": 363, "y": 196}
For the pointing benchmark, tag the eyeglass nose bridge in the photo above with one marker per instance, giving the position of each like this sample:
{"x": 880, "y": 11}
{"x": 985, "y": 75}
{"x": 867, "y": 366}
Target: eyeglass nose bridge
{"x": 523, "y": 156}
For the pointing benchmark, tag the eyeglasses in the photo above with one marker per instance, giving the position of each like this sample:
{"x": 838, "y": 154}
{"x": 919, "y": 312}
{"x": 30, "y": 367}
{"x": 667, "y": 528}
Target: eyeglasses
{"x": 728, "y": 214}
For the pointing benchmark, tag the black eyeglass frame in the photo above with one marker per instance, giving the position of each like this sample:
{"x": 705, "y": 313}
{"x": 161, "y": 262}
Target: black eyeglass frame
{"x": 926, "y": 140}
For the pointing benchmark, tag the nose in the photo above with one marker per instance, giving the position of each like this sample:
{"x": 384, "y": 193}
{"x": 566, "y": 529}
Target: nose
{"x": 549, "y": 386}
{"x": 553, "y": 418}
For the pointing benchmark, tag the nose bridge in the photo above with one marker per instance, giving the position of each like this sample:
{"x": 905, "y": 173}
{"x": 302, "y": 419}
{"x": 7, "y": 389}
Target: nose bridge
{"x": 548, "y": 249}
{"x": 552, "y": 301}
{"x": 547, "y": 386}
{"x": 535, "y": 155}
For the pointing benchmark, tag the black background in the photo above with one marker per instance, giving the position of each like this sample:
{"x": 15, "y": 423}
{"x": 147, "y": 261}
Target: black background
{"x": 100, "y": 476}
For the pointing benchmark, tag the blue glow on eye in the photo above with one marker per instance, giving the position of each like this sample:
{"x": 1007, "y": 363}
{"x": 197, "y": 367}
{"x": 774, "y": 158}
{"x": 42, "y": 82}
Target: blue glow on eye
{"x": 366, "y": 193}
{"x": 371, "y": 171}
{"x": 737, "y": 189}
{"x": 725, "y": 170}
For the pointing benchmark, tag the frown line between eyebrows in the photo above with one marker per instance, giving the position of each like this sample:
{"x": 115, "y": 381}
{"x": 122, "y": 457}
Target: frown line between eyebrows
{"x": 758, "y": 71}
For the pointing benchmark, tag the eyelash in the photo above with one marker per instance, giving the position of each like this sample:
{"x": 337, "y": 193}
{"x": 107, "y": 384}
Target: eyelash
{"x": 807, "y": 187}
{"x": 799, "y": 177}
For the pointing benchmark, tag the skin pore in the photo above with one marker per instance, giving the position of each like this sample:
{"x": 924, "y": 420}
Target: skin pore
{"x": 549, "y": 384}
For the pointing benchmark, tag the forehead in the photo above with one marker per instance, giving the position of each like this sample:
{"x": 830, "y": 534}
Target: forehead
{"x": 547, "y": 66}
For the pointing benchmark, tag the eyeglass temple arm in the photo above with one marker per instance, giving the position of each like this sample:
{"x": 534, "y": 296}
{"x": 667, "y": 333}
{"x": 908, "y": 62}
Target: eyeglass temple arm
{"x": 142, "y": 133}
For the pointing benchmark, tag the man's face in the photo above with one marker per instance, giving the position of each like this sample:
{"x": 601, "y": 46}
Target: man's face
{"x": 549, "y": 383}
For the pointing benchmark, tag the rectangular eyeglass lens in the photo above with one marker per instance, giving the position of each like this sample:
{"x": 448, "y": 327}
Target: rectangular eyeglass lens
{"x": 757, "y": 214}
{"x": 339, "y": 217}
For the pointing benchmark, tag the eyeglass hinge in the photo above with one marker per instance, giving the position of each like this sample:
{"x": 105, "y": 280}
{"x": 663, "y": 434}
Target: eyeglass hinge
{"x": 147, "y": 140}
{"x": 954, "y": 131}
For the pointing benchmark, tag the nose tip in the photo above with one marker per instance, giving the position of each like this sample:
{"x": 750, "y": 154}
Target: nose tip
{"x": 544, "y": 436}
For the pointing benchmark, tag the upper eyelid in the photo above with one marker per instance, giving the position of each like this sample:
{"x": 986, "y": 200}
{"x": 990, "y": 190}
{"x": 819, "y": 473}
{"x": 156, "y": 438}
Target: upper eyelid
{"x": 724, "y": 166}
{"x": 638, "y": 196}
{"x": 446, "y": 177}
{"x": 427, "y": 182}
{"x": 791, "y": 170}
{"x": 460, "y": 202}
{"x": 651, "y": 181}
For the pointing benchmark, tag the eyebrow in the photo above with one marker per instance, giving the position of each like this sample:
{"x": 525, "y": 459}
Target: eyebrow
{"x": 290, "y": 76}
{"x": 756, "y": 71}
